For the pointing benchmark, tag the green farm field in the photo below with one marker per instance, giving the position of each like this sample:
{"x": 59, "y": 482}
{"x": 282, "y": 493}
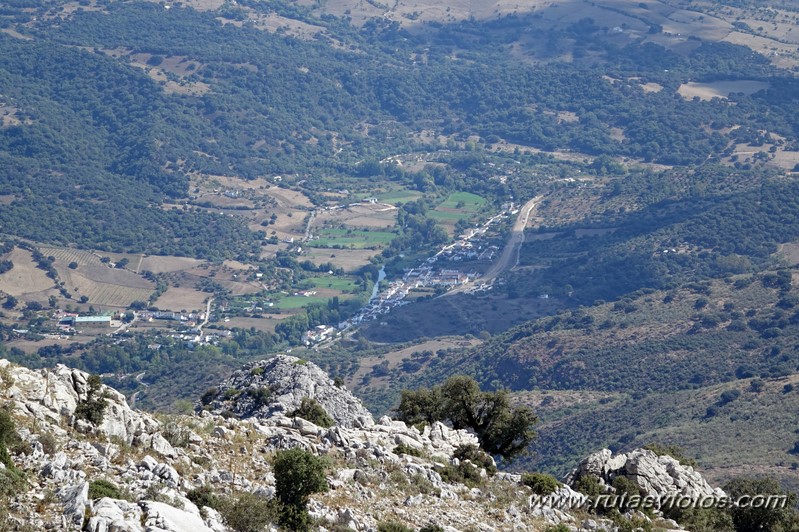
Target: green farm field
{"x": 352, "y": 238}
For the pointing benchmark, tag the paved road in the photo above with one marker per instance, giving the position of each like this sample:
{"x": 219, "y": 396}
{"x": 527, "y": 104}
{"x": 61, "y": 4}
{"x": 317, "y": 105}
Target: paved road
{"x": 207, "y": 315}
{"x": 509, "y": 257}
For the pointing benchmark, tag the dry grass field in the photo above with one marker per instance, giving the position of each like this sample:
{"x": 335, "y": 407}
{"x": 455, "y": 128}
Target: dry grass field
{"x": 24, "y": 279}
{"x": 182, "y": 298}
{"x": 347, "y": 259}
{"x": 162, "y": 264}
{"x": 365, "y": 215}
{"x": 720, "y": 89}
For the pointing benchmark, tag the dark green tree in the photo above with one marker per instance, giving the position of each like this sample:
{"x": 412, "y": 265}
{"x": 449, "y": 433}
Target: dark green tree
{"x": 298, "y": 474}
{"x": 92, "y": 409}
{"x": 502, "y": 429}
{"x": 750, "y": 518}
{"x": 312, "y": 411}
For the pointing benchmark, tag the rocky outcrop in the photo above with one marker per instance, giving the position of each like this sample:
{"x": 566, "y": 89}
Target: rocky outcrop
{"x": 130, "y": 473}
{"x": 278, "y": 385}
{"x": 654, "y": 475}
{"x": 54, "y": 394}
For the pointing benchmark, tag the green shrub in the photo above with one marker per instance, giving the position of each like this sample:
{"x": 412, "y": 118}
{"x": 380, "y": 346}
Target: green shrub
{"x": 625, "y": 487}
{"x": 311, "y": 410}
{"x": 103, "y": 488}
{"x": 464, "y": 473}
{"x": 589, "y": 485}
{"x": 209, "y": 395}
{"x": 260, "y": 396}
{"x": 392, "y": 526}
{"x": 558, "y": 528}
{"x": 431, "y": 528}
{"x": 701, "y": 519}
{"x": 247, "y": 512}
{"x": 476, "y": 456}
{"x": 176, "y": 435}
{"x": 204, "y": 496}
{"x": 502, "y": 429}
{"x": 93, "y": 408}
{"x": 9, "y": 438}
{"x": 747, "y": 518}
{"x": 298, "y": 474}
{"x": 540, "y": 483}
{"x": 407, "y": 449}
{"x": 12, "y": 481}
{"x": 630, "y": 524}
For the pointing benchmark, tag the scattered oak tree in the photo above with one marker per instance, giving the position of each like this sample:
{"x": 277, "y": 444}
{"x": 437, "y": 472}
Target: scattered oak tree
{"x": 502, "y": 429}
{"x": 298, "y": 474}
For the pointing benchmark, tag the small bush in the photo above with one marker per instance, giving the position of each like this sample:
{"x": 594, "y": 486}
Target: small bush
{"x": 209, "y": 395}
{"x": 93, "y": 408}
{"x": 625, "y": 488}
{"x": 247, "y": 512}
{"x": 260, "y": 396}
{"x": 49, "y": 443}
{"x": 464, "y": 473}
{"x": 204, "y": 496}
{"x": 540, "y": 483}
{"x": 407, "y": 449}
{"x": 176, "y": 435}
{"x": 589, "y": 485}
{"x": 630, "y": 524}
{"x": 103, "y": 488}
{"x": 476, "y": 456}
{"x": 729, "y": 396}
{"x": 431, "y": 528}
{"x": 392, "y": 526}
{"x": 423, "y": 485}
{"x": 311, "y": 410}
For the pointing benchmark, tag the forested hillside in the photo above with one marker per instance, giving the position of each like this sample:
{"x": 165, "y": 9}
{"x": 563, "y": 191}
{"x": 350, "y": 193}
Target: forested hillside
{"x": 94, "y": 130}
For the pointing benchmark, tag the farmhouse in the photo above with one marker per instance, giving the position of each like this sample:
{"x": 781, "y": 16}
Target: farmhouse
{"x": 86, "y": 321}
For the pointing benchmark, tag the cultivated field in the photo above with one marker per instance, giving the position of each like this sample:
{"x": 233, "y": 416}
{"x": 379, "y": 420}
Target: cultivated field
{"x": 351, "y": 238}
{"x": 458, "y": 206}
{"x": 68, "y": 255}
{"x": 103, "y": 285}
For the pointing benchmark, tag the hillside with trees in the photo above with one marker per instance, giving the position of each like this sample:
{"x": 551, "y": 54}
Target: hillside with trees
{"x": 660, "y": 260}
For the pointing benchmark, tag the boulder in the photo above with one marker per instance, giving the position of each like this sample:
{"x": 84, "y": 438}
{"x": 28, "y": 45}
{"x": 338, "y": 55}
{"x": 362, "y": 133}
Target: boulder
{"x": 113, "y": 515}
{"x": 160, "y": 517}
